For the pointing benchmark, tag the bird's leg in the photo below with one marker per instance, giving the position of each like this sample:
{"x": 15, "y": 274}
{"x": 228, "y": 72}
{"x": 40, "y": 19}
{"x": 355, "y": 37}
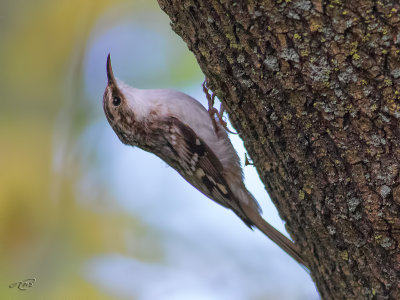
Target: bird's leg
{"x": 213, "y": 111}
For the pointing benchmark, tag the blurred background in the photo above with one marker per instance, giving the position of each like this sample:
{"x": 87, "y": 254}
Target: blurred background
{"x": 88, "y": 217}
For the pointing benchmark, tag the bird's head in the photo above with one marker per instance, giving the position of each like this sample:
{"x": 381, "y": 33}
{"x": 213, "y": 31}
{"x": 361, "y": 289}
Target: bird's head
{"x": 116, "y": 106}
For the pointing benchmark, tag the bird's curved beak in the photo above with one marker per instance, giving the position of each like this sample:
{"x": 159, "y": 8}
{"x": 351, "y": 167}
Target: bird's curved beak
{"x": 110, "y": 74}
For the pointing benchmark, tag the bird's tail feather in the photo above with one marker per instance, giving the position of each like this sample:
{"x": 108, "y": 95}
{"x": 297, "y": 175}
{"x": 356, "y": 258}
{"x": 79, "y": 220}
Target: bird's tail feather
{"x": 278, "y": 238}
{"x": 250, "y": 213}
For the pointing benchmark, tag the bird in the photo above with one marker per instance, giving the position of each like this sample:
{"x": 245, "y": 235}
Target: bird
{"x": 179, "y": 130}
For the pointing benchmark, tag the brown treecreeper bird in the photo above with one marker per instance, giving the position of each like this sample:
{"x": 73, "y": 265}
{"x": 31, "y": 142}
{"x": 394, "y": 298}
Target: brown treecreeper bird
{"x": 179, "y": 130}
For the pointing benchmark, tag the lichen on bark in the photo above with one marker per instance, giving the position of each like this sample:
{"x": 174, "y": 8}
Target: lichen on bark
{"x": 313, "y": 88}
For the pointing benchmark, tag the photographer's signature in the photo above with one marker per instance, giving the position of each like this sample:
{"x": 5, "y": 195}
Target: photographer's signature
{"x": 23, "y": 285}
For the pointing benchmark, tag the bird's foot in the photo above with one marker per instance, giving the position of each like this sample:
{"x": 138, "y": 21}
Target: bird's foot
{"x": 213, "y": 111}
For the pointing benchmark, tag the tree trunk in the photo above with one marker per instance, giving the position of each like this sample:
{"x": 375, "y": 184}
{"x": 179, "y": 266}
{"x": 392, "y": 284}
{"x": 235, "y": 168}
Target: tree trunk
{"x": 313, "y": 88}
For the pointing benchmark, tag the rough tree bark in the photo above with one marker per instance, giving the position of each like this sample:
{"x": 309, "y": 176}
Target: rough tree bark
{"x": 313, "y": 88}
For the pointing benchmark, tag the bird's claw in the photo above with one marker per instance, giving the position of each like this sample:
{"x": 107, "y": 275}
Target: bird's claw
{"x": 213, "y": 111}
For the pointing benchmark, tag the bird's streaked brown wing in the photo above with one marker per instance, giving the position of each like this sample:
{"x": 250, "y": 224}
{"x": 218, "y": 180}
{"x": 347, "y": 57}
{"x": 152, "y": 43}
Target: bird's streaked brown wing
{"x": 200, "y": 167}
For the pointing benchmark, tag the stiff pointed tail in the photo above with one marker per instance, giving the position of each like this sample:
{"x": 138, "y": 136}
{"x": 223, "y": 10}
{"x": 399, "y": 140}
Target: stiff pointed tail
{"x": 278, "y": 238}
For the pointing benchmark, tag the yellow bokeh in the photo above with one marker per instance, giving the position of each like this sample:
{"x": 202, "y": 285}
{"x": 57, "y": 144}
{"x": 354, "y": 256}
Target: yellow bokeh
{"x": 44, "y": 233}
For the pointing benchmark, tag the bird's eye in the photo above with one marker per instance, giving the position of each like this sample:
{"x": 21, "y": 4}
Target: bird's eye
{"x": 116, "y": 101}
